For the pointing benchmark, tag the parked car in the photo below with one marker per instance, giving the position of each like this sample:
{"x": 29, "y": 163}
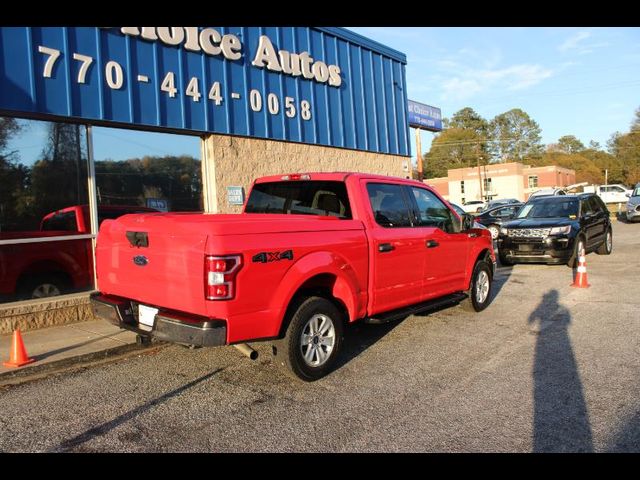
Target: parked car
{"x": 309, "y": 253}
{"x": 473, "y": 206}
{"x": 496, "y": 216}
{"x": 633, "y": 205}
{"x": 498, "y": 202}
{"x": 555, "y": 229}
{"x": 615, "y": 193}
{"x": 49, "y": 268}
{"x": 545, "y": 192}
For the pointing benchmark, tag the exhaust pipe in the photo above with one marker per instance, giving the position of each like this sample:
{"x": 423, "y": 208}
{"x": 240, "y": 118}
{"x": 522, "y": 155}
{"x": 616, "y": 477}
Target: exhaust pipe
{"x": 247, "y": 350}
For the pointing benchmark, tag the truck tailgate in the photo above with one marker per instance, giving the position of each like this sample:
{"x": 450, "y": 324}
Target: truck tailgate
{"x": 167, "y": 271}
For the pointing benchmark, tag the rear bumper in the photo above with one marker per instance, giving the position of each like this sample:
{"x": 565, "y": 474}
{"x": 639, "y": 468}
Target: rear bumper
{"x": 168, "y": 326}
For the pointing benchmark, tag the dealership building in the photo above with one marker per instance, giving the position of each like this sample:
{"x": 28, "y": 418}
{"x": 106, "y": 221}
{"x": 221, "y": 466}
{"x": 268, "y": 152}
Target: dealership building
{"x": 254, "y": 100}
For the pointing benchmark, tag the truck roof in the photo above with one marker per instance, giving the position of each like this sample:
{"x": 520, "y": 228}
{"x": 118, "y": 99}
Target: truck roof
{"x": 333, "y": 176}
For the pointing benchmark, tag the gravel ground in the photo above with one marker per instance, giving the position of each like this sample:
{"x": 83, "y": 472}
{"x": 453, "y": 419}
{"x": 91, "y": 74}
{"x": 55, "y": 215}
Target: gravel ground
{"x": 546, "y": 367}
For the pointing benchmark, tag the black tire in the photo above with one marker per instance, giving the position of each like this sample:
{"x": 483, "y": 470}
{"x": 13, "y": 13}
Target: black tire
{"x": 607, "y": 246}
{"x": 503, "y": 260}
{"x": 578, "y": 245}
{"x": 43, "y": 286}
{"x": 312, "y": 361}
{"x": 479, "y": 293}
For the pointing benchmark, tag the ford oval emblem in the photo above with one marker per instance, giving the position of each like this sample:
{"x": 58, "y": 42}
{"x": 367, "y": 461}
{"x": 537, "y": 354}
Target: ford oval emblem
{"x": 140, "y": 260}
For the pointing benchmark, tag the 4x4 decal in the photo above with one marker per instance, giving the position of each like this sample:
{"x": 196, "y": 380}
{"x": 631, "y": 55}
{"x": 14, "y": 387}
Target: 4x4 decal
{"x": 267, "y": 257}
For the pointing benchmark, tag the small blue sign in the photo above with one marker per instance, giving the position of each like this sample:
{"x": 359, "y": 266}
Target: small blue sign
{"x": 235, "y": 195}
{"x": 158, "y": 203}
{"x": 424, "y": 116}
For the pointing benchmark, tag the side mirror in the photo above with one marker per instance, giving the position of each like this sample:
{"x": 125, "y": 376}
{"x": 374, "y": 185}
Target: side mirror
{"x": 628, "y": 195}
{"x": 467, "y": 222}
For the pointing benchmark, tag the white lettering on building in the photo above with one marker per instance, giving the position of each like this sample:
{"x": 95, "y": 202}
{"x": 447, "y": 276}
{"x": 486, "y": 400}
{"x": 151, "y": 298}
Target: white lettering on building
{"x": 211, "y": 42}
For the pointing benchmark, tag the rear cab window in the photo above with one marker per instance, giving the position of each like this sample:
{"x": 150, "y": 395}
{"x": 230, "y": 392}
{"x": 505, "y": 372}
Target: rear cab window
{"x": 306, "y": 197}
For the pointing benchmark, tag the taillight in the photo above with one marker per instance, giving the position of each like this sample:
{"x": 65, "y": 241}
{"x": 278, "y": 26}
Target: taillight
{"x": 220, "y": 276}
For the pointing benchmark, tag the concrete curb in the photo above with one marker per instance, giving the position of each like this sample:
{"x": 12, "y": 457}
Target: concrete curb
{"x": 35, "y": 372}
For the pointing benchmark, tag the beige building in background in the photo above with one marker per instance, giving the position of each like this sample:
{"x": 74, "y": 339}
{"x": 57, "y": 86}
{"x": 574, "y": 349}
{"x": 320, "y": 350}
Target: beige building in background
{"x": 500, "y": 180}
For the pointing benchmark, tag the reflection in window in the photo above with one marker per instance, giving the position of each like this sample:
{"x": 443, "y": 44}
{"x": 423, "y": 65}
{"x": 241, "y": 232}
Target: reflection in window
{"x": 149, "y": 170}
{"x": 43, "y": 190}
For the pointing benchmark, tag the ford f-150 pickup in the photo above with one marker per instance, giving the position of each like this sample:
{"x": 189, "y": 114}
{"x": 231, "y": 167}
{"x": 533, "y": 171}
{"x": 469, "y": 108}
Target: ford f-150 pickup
{"x": 309, "y": 253}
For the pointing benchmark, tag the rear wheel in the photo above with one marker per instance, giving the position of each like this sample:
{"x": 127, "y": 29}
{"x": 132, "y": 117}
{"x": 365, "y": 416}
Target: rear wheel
{"x": 313, "y": 339}
{"x": 607, "y": 245}
{"x": 45, "y": 285}
{"x": 480, "y": 292}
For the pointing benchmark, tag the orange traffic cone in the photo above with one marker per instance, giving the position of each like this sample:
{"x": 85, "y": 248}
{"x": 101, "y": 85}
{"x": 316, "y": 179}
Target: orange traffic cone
{"x": 18, "y": 356}
{"x": 581, "y": 276}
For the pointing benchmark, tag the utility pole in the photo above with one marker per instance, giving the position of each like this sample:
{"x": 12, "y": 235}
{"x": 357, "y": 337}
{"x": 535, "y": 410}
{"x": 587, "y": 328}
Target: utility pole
{"x": 419, "y": 159}
{"x": 479, "y": 171}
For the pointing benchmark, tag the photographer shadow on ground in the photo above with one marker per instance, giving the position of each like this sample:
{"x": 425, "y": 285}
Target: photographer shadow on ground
{"x": 560, "y": 417}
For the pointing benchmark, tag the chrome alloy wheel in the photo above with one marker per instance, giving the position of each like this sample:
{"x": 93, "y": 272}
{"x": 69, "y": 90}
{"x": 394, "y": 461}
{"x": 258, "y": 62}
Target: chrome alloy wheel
{"x": 317, "y": 340}
{"x": 482, "y": 286}
{"x": 609, "y": 241}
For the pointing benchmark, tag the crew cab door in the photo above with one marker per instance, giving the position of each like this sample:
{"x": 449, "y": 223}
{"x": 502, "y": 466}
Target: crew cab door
{"x": 396, "y": 249}
{"x": 445, "y": 251}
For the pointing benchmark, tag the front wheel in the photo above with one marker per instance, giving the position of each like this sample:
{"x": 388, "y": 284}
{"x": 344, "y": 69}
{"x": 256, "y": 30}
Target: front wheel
{"x": 313, "y": 339}
{"x": 494, "y": 231}
{"x": 480, "y": 291}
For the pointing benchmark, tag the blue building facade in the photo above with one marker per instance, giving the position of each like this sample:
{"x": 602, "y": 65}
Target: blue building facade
{"x": 321, "y": 86}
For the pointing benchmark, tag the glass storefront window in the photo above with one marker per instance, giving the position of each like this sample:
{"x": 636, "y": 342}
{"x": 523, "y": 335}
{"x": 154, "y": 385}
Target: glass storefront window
{"x": 146, "y": 170}
{"x": 43, "y": 196}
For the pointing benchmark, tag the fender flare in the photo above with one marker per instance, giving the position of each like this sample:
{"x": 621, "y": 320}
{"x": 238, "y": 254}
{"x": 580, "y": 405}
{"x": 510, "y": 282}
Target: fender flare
{"x": 345, "y": 288}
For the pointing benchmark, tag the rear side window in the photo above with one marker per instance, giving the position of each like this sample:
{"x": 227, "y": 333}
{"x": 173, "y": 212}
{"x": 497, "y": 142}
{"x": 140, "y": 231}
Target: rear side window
{"x": 323, "y": 198}
{"x": 389, "y": 207}
{"x": 65, "y": 221}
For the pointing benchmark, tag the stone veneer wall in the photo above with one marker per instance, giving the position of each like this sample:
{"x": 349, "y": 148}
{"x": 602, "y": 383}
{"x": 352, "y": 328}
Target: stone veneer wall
{"x": 237, "y": 161}
{"x": 34, "y": 314}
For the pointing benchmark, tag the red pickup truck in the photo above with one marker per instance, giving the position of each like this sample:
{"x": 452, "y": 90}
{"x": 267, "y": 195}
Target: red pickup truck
{"x": 44, "y": 268}
{"x": 309, "y": 253}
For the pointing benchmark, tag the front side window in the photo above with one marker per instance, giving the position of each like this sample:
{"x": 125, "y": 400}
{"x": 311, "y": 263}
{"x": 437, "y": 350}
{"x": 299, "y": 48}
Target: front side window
{"x": 431, "y": 211}
{"x": 594, "y": 205}
{"x": 389, "y": 207}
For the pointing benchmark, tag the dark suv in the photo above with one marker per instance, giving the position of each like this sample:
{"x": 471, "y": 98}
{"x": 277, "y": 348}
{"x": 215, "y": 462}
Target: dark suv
{"x": 554, "y": 229}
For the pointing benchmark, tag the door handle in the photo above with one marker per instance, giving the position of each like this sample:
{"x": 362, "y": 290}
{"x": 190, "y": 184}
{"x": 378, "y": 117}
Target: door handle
{"x": 472, "y": 235}
{"x": 432, "y": 244}
{"x": 385, "y": 247}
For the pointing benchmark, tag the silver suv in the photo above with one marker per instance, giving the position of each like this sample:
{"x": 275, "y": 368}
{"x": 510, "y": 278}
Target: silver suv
{"x": 633, "y": 205}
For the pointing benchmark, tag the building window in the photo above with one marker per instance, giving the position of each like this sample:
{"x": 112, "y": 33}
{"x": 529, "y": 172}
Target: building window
{"x": 487, "y": 185}
{"x": 533, "y": 181}
{"x": 462, "y": 186}
{"x": 157, "y": 171}
{"x": 43, "y": 199}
